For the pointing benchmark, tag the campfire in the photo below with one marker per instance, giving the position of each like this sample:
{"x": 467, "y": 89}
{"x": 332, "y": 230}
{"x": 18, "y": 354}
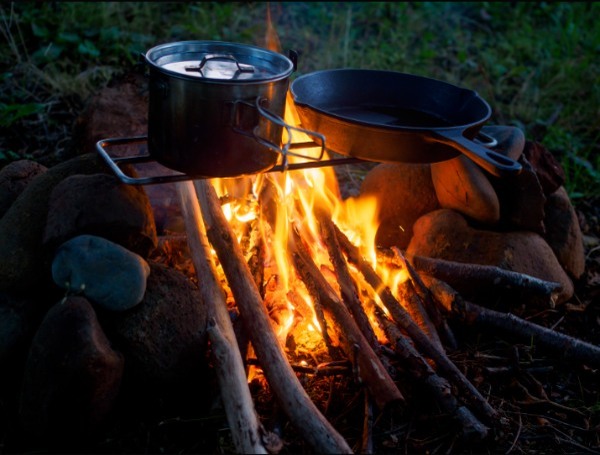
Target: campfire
{"x": 302, "y": 266}
{"x": 298, "y": 279}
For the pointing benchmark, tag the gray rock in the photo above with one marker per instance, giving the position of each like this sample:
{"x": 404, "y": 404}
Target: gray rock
{"x": 72, "y": 375}
{"x": 404, "y": 193}
{"x": 100, "y": 204}
{"x": 14, "y": 177}
{"x": 108, "y": 274}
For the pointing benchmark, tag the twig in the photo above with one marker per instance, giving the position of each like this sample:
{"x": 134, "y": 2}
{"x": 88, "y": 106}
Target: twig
{"x": 371, "y": 370}
{"x": 439, "y": 322}
{"x": 477, "y": 275}
{"x": 472, "y": 429}
{"x": 347, "y": 285}
{"x": 472, "y": 314}
{"x": 402, "y": 318}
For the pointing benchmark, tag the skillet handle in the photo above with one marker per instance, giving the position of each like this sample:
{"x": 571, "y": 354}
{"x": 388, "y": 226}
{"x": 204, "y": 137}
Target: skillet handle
{"x": 493, "y": 162}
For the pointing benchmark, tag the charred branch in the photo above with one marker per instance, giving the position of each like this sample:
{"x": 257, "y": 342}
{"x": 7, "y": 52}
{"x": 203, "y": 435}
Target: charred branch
{"x": 458, "y": 274}
{"x": 472, "y": 314}
{"x": 472, "y": 429}
{"x": 371, "y": 371}
{"x": 347, "y": 285}
{"x": 424, "y": 293}
{"x": 423, "y": 342}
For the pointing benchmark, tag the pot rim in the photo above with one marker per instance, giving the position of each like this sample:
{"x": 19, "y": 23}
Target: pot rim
{"x": 278, "y": 65}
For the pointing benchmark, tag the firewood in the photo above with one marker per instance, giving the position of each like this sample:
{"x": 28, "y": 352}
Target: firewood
{"x": 413, "y": 304}
{"x": 419, "y": 368}
{"x": 366, "y": 446}
{"x": 423, "y": 342}
{"x": 257, "y": 257}
{"x": 246, "y": 429}
{"x": 433, "y": 311}
{"x": 371, "y": 370}
{"x": 294, "y": 400}
{"x": 478, "y": 275}
{"x": 348, "y": 287}
{"x": 472, "y": 314}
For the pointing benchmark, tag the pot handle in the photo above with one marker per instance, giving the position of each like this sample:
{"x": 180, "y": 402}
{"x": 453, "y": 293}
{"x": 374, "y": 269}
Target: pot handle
{"x": 318, "y": 140}
{"x": 493, "y": 162}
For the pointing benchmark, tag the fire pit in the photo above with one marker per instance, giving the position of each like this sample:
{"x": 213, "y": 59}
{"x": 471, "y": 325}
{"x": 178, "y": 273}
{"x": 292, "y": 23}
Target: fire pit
{"x": 298, "y": 260}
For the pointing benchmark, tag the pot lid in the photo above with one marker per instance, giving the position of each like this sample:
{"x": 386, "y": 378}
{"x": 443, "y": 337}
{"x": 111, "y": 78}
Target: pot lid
{"x": 219, "y": 61}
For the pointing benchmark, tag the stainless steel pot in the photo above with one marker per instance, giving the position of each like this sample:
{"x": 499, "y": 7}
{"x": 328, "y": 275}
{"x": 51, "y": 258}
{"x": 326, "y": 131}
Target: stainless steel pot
{"x": 211, "y": 106}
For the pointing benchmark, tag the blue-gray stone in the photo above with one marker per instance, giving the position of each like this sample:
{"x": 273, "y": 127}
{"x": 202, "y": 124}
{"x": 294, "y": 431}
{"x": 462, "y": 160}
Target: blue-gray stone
{"x": 108, "y": 274}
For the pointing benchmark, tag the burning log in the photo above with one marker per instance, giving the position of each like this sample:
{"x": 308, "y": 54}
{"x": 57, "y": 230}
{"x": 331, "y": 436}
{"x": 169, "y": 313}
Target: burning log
{"x": 371, "y": 370}
{"x": 472, "y": 429}
{"x": 347, "y": 286}
{"x": 414, "y": 306}
{"x": 469, "y": 313}
{"x": 478, "y": 275}
{"x": 439, "y": 322}
{"x": 246, "y": 430}
{"x": 404, "y": 321}
{"x": 293, "y": 399}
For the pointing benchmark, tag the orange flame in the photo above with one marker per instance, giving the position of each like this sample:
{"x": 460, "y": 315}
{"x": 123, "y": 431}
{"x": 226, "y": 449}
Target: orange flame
{"x": 298, "y": 194}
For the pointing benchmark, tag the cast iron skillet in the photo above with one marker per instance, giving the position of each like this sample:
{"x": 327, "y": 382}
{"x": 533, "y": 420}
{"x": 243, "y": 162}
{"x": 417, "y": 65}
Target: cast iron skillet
{"x": 387, "y": 116}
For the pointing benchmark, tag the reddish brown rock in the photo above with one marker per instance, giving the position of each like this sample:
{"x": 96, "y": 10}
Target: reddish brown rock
{"x": 164, "y": 338}
{"x": 548, "y": 170}
{"x": 19, "y": 319}
{"x": 522, "y": 200}
{"x": 563, "y": 233}
{"x": 72, "y": 376}
{"x": 404, "y": 192}
{"x": 119, "y": 110}
{"x": 25, "y": 266}
{"x": 445, "y": 234}
{"x": 101, "y": 205}
{"x": 14, "y": 177}
{"x": 461, "y": 185}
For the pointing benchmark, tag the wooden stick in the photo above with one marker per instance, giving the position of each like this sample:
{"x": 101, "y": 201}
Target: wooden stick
{"x": 472, "y": 429}
{"x": 414, "y": 306}
{"x": 402, "y": 318}
{"x": 457, "y": 273}
{"x": 366, "y": 445}
{"x": 246, "y": 430}
{"x": 381, "y": 386}
{"x": 432, "y": 309}
{"x": 348, "y": 287}
{"x": 294, "y": 401}
{"x": 563, "y": 345}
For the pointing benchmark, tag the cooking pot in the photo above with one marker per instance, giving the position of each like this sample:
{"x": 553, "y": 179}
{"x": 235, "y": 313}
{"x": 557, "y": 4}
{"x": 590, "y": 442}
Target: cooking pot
{"x": 387, "y": 116}
{"x": 206, "y": 100}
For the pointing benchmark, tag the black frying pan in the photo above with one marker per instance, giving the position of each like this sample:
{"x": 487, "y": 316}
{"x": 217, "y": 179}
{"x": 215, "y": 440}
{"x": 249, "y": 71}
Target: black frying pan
{"x": 388, "y": 116}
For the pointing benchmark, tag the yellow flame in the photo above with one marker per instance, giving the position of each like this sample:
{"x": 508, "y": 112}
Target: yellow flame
{"x": 298, "y": 194}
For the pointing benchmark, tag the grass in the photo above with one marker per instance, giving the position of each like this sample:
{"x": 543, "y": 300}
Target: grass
{"x": 536, "y": 63}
